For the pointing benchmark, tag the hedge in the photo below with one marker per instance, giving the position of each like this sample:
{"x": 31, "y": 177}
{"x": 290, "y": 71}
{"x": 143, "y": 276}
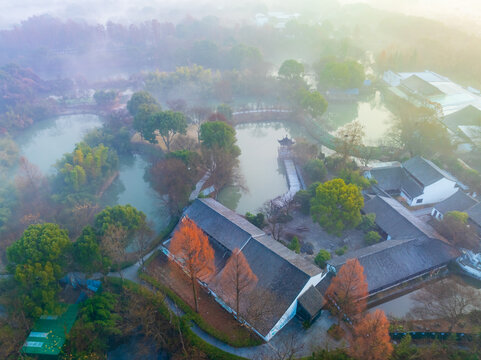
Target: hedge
{"x": 197, "y": 319}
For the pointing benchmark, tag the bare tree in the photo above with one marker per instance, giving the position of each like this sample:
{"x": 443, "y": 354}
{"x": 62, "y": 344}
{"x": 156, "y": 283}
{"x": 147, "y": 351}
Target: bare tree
{"x": 142, "y": 241}
{"x": 237, "y": 278}
{"x": 198, "y": 115}
{"x": 113, "y": 244}
{"x": 446, "y": 299}
{"x": 286, "y": 350}
{"x": 349, "y": 140}
{"x": 275, "y": 217}
{"x": 258, "y": 306}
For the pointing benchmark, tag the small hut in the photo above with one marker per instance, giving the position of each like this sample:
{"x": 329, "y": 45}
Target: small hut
{"x": 285, "y": 148}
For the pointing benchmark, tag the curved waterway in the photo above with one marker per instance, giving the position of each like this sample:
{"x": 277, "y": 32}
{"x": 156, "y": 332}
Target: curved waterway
{"x": 263, "y": 176}
{"x": 45, "y": 143}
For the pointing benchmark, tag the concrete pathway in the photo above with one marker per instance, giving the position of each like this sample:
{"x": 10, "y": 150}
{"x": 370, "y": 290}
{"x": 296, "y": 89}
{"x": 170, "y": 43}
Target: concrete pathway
{"x": 199, "y": 186}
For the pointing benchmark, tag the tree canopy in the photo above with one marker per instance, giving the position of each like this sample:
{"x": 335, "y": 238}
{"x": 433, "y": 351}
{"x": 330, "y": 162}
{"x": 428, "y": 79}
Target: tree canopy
{"x": 312, "y": 102}
{"x": 125, "y": 216}
{"x": 168, "y": 124}
{"x": 86, "y": 168}
{"x": 337, "y": 74}
{"x": 337, "y": 206}
{"x": 141, "y": 98}
{"x": 191, "y": 246}
{"x": 38, "y": 259}
{"x": 371, "y": 340}
{"x": 291, "y": 69}
{"x": 237, "y": 278}
{"x": 346, "y": 295}
{"x": 217, "y": 134}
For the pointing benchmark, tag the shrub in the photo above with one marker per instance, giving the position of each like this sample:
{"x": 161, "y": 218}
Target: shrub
{"x": 372, "y": 237}
{"x": 368, "y": 222}
{"x": 321, "y": 258}
{"x": 256, "y": 220}
{"x": 303, "y": 198}
{"x": 341, "y": 250}
{"x": 295, "y": 245}
{"x": 307, "y": 247}
{"x": 315, "y": 170}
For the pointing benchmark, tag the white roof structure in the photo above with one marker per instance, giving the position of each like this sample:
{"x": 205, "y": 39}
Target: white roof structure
{"x": 452, "y": 97}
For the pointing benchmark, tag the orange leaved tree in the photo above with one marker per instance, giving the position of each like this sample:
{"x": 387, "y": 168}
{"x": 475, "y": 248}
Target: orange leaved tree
{"x": 237, "y": 278}
{"x": 370, "y": 338}
{"x": 346, "y": 295}
{"x": 191, "y": 246}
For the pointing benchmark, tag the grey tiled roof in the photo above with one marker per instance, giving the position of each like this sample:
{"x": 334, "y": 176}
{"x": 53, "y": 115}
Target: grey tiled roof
{"x": 392, "y": 261}
{"x": 281, "y": 273}
{"x": 388, "y": 178}
{"x": 221, "y": 223}
{"x": 395, "y": 220}
{"x": 410, "y": 186}
{"x": 459, "y": 201}
{"x": 312, "y": 301}
{"x": 468, "y": 115}
{"x": 420, "y": 86}
{"x": 425, "y": 171}
{"x": 475, "y": 213}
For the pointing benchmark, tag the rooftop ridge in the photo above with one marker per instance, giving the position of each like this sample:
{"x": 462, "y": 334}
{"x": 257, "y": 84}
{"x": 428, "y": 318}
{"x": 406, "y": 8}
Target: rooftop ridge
{"x": 240, "y": 221}
{"x": 290, "y": 256}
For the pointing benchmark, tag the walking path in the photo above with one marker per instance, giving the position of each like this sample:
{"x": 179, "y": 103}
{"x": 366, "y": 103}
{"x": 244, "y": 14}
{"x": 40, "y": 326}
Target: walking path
{"x": 199, "y": 186}
{"x": 293, "y": 182}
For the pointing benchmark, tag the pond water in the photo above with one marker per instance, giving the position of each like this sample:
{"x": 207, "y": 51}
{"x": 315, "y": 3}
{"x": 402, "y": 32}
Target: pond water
{"x": 376, "y": 119}
{"x": 46, "y": 142}
{"x": 131, "y": 188}
{"x": 403, "y": 305}
{"x": 263, "y": 175}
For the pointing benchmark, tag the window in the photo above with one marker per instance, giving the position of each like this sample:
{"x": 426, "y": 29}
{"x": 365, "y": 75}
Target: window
{"x": 419, "y": 201}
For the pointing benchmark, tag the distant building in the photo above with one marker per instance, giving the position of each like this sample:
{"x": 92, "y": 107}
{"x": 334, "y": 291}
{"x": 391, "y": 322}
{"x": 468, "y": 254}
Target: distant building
{"x": 418, "y": 180}
{"x": 283, "y": 276}
{"x": 432, "y": 90}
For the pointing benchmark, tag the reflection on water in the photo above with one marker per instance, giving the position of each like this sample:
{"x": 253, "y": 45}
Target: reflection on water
{"x": 263, "y": 177}
{"x": 372, "y": 114}
{"x": 139, "y": 194}
{"x": 45, "y": 142}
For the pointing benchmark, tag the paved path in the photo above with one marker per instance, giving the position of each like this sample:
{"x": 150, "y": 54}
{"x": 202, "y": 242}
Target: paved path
{"x": 199, "y": 186}
{"x": 292, "y": 180}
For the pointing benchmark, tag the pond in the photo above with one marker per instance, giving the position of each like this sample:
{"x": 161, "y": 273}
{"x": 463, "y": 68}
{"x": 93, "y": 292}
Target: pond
{"x": 263, "y": 176}
{"x": 46, "y": 142}
{"x": 376, "y": 119}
